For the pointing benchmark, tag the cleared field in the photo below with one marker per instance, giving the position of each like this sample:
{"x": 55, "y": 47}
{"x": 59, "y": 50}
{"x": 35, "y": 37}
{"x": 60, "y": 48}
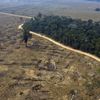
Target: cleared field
{"x": 24, "y": 73}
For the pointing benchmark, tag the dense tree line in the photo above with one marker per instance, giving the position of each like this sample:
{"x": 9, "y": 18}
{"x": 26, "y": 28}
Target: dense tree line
{"x": 83, "y": 35}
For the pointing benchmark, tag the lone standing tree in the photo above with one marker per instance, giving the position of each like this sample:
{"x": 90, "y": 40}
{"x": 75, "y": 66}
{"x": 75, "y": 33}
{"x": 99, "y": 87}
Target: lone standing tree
{"x": 25, "y": 37}
{"x": 26, "y": 34}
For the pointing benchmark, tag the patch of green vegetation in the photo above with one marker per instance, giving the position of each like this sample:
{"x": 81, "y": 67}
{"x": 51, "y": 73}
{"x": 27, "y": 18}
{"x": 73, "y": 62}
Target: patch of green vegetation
{"x": 98, "y": 70}
{"x": 97, "y": 83}
{"x": 83, "y": 35}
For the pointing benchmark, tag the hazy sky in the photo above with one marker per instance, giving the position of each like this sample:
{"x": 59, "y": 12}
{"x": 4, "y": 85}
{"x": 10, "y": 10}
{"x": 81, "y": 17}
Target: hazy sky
{"x": 46, "y": 1}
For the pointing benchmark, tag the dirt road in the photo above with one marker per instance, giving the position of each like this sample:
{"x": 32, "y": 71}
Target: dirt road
{"x": 15, "y": 15}
{"x": 66, "y": 47}
{"x": 53, "y": 41}
{"x": 63, "y": 46}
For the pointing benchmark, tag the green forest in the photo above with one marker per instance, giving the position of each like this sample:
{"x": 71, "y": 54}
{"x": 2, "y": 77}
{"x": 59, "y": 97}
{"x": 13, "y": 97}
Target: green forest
{"x": 76, "y": 33}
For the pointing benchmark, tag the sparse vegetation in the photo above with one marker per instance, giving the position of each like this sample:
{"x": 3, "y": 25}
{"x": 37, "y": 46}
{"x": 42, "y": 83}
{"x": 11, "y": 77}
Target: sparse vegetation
{"x": 24, "y": 73}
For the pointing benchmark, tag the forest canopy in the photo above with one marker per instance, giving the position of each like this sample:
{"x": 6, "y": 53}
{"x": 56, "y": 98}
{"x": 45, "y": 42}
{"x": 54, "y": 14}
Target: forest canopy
{"x": 82, "y": 35}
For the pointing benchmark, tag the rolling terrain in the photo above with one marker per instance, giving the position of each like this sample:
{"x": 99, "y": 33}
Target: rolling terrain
{"x": 25, "y": 73}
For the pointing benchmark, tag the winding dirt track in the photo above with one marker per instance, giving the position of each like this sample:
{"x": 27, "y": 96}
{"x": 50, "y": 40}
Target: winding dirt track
{"x": 53, "y": 41}
{"x": 21, "y": 16}
{"x": 61, "y": 45}
{"x": 66, "y": 47}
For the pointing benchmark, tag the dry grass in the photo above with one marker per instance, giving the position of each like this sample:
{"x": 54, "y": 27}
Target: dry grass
{"x": 24, "y": 74}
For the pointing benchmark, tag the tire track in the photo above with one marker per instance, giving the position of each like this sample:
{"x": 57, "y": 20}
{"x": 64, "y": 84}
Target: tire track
{"x": 9, "y": 14}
